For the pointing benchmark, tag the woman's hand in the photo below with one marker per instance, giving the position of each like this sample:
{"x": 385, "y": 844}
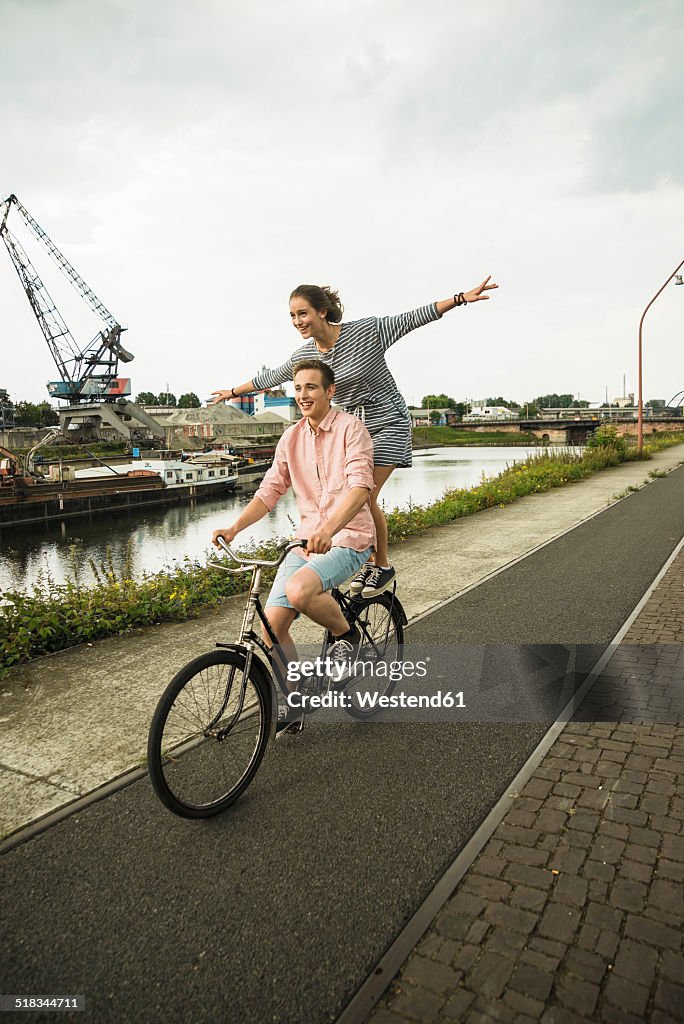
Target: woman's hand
{"x": 222, "y": 396}
{"x": 475, "y": 295}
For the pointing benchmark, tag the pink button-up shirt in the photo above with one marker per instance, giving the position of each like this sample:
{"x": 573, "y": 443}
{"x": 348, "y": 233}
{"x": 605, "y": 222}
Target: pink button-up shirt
{"x": 321, "y": 467}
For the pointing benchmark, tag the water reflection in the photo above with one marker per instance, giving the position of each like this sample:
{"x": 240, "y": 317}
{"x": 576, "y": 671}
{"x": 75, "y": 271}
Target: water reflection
{"x": 150, "y": 539}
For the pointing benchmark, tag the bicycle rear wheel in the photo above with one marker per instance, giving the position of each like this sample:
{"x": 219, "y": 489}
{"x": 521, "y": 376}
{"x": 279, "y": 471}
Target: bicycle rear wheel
{"x": 381, "y": 621}
{"x": 209, "y": 733}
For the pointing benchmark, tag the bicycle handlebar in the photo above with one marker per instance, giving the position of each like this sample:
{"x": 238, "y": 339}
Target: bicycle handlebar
{"x": 249, "y": 563}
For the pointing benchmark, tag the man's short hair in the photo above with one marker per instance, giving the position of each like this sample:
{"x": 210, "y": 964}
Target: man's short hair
{"x": 327, "y": 376}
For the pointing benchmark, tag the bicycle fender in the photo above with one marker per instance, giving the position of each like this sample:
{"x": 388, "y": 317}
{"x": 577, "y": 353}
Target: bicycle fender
{"x": 390, "y": 600}
{"x": 256, "y": 662}
{"x": 399, "y": 605}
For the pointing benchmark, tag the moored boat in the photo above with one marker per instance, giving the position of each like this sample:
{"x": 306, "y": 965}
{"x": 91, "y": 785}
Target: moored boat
{"x": 31, "y": 499}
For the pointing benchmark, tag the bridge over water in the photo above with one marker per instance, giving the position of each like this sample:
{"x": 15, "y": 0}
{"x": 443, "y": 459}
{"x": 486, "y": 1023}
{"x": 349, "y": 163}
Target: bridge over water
{"x": 574, "y": 429}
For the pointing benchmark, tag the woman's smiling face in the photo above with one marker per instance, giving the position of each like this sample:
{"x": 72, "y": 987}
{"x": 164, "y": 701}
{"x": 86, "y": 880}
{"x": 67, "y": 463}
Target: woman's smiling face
{"x": 304, "y": 317}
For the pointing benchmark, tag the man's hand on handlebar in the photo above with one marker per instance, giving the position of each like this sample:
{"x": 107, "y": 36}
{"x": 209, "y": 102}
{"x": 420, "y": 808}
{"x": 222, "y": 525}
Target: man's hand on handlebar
{"x": 229, "y": 533}
{"x": 319, "y": 543}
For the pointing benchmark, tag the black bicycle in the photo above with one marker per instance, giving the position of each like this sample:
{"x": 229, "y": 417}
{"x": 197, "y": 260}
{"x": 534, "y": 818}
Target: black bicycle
{"x": 213, "y": 723}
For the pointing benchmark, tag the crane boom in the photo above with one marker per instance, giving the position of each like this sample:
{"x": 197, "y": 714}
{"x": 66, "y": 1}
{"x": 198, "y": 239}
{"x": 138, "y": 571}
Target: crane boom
{"x": 62, "y": 262}
{"x": 89, "y": 374}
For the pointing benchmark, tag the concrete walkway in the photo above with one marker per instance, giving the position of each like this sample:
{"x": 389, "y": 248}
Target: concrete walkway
{"x": 73, "y": 721}
{"x": 572, "y": 913}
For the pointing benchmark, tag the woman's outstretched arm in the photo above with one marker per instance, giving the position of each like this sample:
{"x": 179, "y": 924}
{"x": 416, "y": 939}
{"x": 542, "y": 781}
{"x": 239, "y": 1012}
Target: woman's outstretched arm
{"x": 391, "y": 328}
{"x": 262, "y": 381}
{"x": 242, "y": 389}
{"x": 474, "y": 295}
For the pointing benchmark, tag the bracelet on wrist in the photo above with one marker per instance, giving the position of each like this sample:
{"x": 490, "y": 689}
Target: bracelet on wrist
{"x": 460, "y": 299}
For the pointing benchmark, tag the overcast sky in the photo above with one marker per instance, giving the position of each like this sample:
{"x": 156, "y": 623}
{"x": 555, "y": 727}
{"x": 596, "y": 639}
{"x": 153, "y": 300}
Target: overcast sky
{"x": 197, "y": 160}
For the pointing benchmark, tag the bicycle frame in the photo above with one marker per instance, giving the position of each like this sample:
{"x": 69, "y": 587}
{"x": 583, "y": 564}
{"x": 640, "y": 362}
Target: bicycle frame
{"x": 249, "y": 639}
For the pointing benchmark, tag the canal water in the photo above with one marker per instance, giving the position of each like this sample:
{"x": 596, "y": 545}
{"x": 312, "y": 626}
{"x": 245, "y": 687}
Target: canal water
{"x": 152, "y": 539}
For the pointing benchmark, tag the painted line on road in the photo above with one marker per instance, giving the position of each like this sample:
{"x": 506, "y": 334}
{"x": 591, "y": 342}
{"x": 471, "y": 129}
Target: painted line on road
{"x": 389, "y": 965}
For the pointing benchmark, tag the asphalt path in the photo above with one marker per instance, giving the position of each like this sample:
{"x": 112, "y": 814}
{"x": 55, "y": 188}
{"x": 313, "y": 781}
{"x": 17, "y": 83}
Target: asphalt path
{"x": 276, "y": 910}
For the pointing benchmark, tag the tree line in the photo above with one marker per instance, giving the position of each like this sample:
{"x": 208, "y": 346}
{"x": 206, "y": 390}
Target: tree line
{"x": 42, "y": 414}
{"x": 531, "y": 408}
{"x": 29, "y": 414}
{"x": 166, "y": 398}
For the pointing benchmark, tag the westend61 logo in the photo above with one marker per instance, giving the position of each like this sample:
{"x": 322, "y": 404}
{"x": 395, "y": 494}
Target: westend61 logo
{"x": 335, "y": 671}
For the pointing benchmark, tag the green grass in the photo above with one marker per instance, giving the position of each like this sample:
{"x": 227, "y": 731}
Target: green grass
{"x": 448, "y": 436}
{"x": 52, "y": 617}
{"x": 73, "y": 451}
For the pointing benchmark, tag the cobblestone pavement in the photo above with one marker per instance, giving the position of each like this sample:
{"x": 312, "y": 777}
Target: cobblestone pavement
{"x": 573, "y": 910}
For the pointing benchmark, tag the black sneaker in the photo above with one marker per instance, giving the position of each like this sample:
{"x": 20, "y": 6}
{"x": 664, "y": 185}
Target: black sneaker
{"x": 344, "y": 653}
{"x": 378, "y": 581}
{"x": 289, "y": 719}
{"x": 359, "y": 581}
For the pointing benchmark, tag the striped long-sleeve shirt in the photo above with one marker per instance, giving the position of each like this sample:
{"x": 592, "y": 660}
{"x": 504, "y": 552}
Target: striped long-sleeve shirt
{"x": 363, "y": 379}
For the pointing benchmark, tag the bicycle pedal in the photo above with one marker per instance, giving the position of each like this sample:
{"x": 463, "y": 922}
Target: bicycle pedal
{"x": 292, "y": 728}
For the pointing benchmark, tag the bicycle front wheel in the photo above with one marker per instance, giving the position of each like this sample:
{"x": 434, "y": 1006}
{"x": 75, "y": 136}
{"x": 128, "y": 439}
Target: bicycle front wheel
{"x": 209, "y": 734}
{"x": 381, "y": 621}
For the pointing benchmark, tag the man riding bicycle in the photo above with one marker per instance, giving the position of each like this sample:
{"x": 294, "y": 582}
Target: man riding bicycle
{"x": 327, "y": 458}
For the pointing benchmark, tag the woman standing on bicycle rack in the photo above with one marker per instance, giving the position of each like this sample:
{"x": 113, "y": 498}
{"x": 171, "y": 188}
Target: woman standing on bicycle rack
{"x": 365, "y": 387}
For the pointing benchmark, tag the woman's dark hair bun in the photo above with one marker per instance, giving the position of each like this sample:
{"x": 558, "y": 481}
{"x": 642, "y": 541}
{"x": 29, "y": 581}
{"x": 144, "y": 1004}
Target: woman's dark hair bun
{"x": 335, "y": 308}
{"x": 322, "y": 299}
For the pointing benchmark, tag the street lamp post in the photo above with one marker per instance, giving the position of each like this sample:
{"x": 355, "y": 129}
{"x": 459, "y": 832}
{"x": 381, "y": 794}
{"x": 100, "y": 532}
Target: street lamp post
{"x": 640, "y": 413}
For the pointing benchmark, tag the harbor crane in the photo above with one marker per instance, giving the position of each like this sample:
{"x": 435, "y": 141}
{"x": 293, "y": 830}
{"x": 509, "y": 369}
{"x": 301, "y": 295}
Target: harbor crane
{"x": 89, "y": 376}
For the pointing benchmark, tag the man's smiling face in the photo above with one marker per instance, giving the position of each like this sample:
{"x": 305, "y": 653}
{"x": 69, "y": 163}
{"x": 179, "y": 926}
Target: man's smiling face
{"x": 312, "y": 397}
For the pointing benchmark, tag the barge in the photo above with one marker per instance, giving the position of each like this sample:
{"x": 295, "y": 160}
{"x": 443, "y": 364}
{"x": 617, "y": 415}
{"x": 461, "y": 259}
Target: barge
{"x": 31, "y": 499}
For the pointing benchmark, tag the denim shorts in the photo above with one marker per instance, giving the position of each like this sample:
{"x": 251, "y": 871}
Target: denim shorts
{"x": 333, "y": 568}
